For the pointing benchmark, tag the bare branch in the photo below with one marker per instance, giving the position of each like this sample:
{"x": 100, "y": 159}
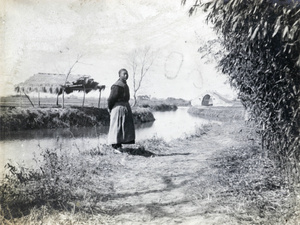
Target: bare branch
{"x": 141, "y": 60}
{"x": 70, "y": 70}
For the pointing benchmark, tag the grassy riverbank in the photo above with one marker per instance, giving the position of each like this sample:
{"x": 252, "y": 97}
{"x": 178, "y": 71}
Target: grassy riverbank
{"x": 219, "y": 112}
{"x": 16, "y": 113}
{"x": 169, "y": 104}
{"x": 154, "y": 104}
{"x": 13, "y": 119}
{"x": 219, "y": 175}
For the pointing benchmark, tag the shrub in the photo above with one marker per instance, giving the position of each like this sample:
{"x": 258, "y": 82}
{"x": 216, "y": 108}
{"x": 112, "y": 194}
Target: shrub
{"x": 32, "y": 118}
{"x": 61, "y": 179}
{"x": 142, "y": 115}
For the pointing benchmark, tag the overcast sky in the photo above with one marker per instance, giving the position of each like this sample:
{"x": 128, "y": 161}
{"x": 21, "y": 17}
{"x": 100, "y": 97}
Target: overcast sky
{"x": 48, "y": 35}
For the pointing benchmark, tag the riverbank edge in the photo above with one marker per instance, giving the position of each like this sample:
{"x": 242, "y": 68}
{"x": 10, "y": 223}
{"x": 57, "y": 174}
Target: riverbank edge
{"x": 222, "y": 113}
{"x": 16, "y": 119}
{"x": 239, "y": 176}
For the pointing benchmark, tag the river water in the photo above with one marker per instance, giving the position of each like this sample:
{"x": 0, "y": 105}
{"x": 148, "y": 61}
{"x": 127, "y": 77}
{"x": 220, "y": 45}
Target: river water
{"x": 21, "y": 146}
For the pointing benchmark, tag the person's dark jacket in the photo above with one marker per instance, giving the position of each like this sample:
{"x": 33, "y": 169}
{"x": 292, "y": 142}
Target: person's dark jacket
{"x": 119, "y": 93}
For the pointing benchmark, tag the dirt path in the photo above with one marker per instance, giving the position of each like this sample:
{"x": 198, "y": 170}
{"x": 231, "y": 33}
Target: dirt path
{"x": 217, "y": 176}
{"x": 173, "y": 188}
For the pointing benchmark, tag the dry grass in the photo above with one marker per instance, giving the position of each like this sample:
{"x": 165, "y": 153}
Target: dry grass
{"x": 238, "y": 185}
{"x": 64, "y": 179}
{"x": 246, "y": 185}
{"x": 254, "y": 187}
{"x": 49, "y": 216}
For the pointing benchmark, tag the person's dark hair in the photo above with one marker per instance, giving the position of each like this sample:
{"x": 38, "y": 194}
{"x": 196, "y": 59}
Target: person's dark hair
{"x": 122, "y": 70}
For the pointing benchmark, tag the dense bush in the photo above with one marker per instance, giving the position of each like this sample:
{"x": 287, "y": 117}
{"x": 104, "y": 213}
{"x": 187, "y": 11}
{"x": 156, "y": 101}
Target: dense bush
{"x": 164, "y": 107}
{"x": 42, "y": 118}
{"x": 168, "y": 104}
{"x": 160, "y": 107}
{"x": 262, "y": 46}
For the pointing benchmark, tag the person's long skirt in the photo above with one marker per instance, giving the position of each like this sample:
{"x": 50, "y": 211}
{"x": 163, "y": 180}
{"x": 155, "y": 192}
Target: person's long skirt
{"x": 121, "y": 129}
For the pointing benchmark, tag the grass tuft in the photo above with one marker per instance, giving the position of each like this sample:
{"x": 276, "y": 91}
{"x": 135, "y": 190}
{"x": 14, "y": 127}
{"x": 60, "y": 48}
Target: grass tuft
{"x": 63, "y": 180}
{"x": 249, "y": 187}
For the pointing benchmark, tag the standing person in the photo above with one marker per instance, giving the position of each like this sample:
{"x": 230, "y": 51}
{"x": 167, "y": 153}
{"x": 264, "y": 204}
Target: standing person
{"x": 121, "y": 129}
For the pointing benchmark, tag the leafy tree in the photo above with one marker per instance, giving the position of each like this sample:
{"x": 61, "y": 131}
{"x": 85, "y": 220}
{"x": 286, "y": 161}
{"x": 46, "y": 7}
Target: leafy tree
{"x": 262, "y": 58}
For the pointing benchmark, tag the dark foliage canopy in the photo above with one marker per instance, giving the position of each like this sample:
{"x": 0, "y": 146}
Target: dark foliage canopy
{"x": 85, "y": 84}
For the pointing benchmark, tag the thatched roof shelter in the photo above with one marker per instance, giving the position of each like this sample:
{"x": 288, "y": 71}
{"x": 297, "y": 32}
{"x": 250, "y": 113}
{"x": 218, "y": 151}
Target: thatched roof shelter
{"x": 46, "y": 82}
{"x": 56, "y": 84}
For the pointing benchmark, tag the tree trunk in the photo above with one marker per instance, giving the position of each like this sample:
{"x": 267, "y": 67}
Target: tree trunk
{"x": 99, "y": 98}
{"x": 134, "y": 99}
{"x": 57, "y": 99}
{"x": 28, "y": 99}
{"x": 39, "y": 99}
{"x": 63, "y": 98}
{"x": 83, "y": 96}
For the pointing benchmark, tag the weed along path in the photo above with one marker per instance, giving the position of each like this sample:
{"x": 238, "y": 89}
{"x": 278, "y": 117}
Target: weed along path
{"x": 177, "y": 185}
{"x": 166, "y": 188}
{"x": 216, "y": 176}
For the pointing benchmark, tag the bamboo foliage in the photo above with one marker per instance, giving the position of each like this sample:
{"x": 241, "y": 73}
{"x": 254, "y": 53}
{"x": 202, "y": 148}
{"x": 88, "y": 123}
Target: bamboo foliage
{"x": 262, "y": 42}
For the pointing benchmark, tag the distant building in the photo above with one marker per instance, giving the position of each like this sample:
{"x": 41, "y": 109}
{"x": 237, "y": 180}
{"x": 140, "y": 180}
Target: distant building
{"x": 211, "y": 99}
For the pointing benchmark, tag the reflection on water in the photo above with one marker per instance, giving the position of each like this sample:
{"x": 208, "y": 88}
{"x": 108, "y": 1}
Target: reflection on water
{"x": 20, "y": 146}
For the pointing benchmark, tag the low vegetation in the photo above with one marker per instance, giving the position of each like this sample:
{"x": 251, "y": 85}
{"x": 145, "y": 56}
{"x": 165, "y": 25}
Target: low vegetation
{"x": 37, "y": 118}
{"x": 13, "y": 119}
{"x": 250, "y": 187}
{"x": 78, "y": 186}
{"x": 63, "y": 180}
{"x": 142, "y": 115}
{"x": 218, "y": 113}
{"x": 160, "y": 107}
{"x": 169, "y": 104}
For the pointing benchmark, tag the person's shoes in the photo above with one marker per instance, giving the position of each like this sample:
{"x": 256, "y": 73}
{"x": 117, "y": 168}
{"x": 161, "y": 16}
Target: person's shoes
{"x": 117, "y": 151}
{"x": 116, "y": 146}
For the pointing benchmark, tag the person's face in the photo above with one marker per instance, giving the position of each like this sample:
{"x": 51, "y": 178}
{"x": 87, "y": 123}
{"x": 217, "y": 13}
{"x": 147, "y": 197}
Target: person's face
{"x": 124, "y": 75}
